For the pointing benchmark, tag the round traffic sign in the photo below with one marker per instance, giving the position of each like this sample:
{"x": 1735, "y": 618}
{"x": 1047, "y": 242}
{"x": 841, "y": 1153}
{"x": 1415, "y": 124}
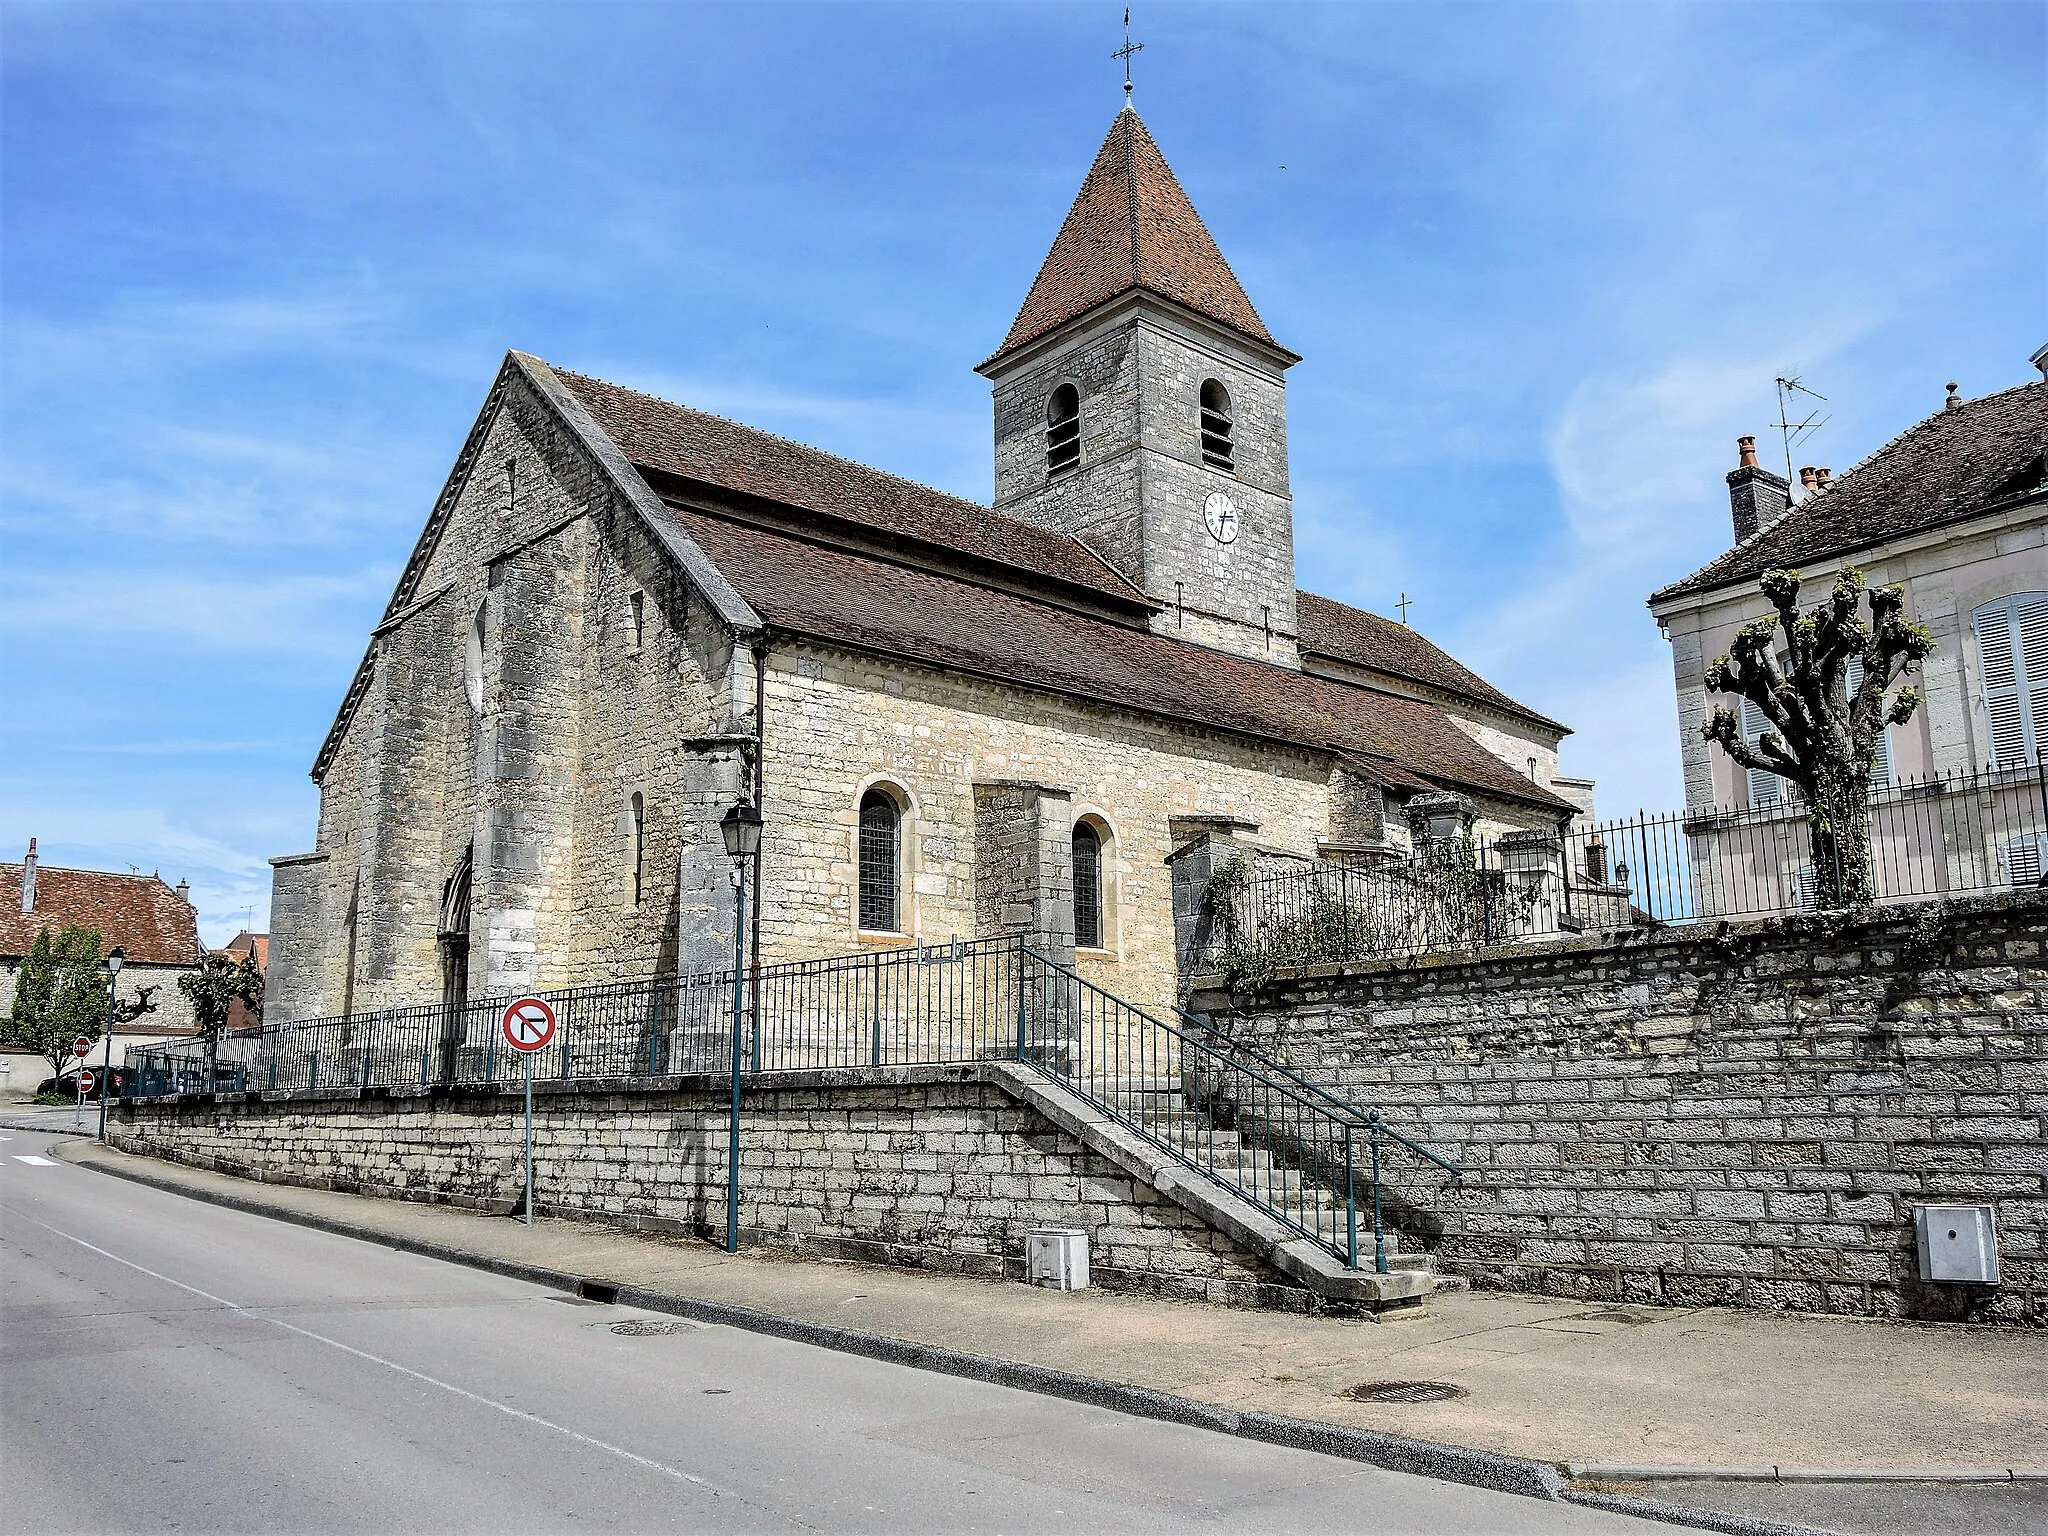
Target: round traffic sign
{"x": 81, "y": 1046}
{"x": 86, "y": 1080}
{"x": 529, "y": 1024}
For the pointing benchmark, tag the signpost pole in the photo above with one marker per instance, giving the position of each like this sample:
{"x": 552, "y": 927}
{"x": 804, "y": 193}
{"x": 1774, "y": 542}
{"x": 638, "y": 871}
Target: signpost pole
{"x": 528, "y": 1024}
{"x": 529, "y": 1136}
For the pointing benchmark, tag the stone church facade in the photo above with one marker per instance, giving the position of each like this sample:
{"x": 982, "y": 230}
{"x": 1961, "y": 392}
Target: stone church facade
{"x": 625, "y": 616}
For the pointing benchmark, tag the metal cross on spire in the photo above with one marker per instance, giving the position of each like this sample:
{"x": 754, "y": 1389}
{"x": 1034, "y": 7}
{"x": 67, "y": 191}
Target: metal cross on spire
{"x": 1125, "y": 53}
{"x": 1404, "y": 605}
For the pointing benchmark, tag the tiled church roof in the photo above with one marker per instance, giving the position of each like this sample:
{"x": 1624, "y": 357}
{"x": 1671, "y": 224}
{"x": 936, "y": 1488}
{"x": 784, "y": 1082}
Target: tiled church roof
{"x": 861, "y": 600}
{"x": 1132, "y": 226}
{"x": 138, "y": 912}
{"x": 696, "y": 445}
{"x": 1348, "y": 634}
{"x": 1954, "y": 465}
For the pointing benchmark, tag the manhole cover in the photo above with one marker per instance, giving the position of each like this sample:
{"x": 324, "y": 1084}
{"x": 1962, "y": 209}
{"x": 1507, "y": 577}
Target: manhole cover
{"x": 1404, "y": 1392}
{"x": 645, "y": 1327}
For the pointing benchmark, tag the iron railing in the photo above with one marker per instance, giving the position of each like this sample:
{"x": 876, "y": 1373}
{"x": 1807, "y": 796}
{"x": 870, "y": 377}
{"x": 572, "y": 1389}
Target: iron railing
{"x": 1307, "y": 1158}
{"x": 1947, "y": 835}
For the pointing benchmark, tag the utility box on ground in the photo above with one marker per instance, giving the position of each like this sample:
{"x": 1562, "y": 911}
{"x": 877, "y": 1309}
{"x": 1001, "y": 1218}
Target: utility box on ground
{"x": 1958, "y": 1244}
{"x": 1056, "y": 1258}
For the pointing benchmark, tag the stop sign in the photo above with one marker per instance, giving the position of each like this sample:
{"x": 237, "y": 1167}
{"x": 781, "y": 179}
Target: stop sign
{"x": 81, "y": 1046}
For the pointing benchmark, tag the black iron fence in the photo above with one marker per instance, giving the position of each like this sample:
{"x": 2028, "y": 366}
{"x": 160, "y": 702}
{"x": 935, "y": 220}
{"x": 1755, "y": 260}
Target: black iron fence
{"x": 1307, "y": 1158}
{"x": 1947, "y": 835}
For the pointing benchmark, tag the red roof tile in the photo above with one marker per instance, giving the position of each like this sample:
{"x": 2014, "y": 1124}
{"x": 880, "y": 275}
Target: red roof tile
{"x": 856, "y": 599}
{"x": 1132, "y": 226}
{"x": 1347, "y": 634}
{"x": 138, "y": 912}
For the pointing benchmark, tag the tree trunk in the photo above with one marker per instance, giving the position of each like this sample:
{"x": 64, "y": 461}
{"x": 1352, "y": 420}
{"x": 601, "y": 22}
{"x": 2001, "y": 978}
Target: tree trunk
{"x": 1838, "y": 828}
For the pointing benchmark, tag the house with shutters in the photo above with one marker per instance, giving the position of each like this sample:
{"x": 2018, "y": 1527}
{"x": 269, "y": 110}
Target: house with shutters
{"x": 624, "y": 616}
{"x": 1955, "y": 511}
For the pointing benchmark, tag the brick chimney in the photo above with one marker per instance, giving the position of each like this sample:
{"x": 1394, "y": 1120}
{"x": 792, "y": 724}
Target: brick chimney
{"x": 1756, "y": 497}
{"x": 28, "y": 879}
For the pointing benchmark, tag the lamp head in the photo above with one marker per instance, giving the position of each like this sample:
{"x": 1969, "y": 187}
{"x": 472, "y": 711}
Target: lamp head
{"x": 115, "y": 960}
{"x": 742, "y": 830}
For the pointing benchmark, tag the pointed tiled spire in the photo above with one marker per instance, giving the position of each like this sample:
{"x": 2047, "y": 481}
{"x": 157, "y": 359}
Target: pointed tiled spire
{"x": 1132, "y": 227}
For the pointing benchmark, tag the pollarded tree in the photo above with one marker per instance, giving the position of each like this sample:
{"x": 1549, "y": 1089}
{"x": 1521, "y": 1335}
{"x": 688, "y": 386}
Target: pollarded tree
{"x": 219, "y": 983}
{"x": 1823, "y": 733}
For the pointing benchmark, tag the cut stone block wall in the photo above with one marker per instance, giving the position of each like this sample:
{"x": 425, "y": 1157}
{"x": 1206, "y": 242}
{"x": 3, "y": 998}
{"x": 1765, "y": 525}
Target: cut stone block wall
{"x": 1744, "y": 1115}
{"x": 935, "y": 1168}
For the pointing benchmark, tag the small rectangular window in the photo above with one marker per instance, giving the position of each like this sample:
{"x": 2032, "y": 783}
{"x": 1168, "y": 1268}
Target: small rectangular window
{"x": 638, "y": 602}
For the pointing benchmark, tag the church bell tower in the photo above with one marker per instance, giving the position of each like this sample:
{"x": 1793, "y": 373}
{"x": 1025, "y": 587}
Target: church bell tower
{"x": 1141, "y": 405}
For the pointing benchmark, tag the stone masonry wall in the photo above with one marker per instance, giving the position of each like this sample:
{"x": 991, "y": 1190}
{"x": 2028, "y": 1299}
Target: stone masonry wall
{"x": 1735, "y": 1115}
{"x": 932, "y": 1168}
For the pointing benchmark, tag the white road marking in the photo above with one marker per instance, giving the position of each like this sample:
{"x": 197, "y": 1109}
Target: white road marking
{"x": 363, "y": 1354}
{"x": 40, "y": 1162}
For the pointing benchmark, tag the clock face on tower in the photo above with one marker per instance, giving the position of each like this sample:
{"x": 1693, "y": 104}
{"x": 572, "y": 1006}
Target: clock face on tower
{"x": 1220, "y": 513}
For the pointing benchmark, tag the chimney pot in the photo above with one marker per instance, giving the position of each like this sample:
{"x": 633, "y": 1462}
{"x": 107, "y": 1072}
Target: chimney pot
{"x": 1953, "y": 399}
{"x": 1746, "y": 446}
{"x": 184, "y": 889}
{"x": 1824, "y": 476}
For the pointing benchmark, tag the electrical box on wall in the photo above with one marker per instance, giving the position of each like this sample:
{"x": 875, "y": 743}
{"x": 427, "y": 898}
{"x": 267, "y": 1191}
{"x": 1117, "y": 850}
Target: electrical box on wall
{"x": 1056, "y": 1258}
{"x": 1958, "y": 1244}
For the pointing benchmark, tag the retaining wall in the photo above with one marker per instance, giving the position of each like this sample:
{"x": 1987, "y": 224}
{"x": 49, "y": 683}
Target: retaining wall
{"x": 929, "y": 1167}
{"x": 1742, "y": 1114}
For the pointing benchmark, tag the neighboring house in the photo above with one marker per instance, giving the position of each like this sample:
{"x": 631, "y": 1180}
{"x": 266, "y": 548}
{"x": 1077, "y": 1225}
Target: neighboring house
{"x": 256, "y": 947}
{"x": 1955, "y": 510}
{"x": 154, "y": 925}
{"x": 624, "y": 616}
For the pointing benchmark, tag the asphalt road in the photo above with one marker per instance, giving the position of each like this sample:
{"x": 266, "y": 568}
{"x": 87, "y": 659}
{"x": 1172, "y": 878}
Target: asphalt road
{"x": 166, "y": 1365}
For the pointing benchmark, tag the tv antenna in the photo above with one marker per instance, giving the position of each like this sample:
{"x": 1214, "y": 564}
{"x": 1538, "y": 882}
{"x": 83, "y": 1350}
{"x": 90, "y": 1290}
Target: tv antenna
{"x": 1793, "y": 432}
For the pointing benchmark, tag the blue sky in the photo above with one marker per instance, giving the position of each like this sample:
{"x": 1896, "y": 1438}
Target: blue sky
{"x": 258, "y": 264}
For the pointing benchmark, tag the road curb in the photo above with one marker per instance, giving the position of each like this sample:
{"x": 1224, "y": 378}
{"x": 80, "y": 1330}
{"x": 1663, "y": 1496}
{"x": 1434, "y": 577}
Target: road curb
{"x": 1655, "y": 1473}
{"x": 1685, "y": 1514}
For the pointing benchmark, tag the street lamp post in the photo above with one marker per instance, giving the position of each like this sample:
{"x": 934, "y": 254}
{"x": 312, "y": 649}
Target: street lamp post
{"x": 742, "y": 830}
{"x": 115, "y": 960}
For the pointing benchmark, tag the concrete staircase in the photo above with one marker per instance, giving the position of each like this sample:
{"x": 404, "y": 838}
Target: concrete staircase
{"x": 1160, "y": 1109}
{"x": 1146, "y": 1128}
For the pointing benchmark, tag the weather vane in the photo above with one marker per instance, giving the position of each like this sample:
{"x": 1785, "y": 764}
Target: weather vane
{"x": 1125, "y": 53}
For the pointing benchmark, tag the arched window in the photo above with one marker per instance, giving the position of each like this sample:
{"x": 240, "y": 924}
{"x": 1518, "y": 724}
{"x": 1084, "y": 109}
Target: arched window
{"x": 2012, "y": 653}
{"x": 636, "y": 851}
{"x": 1087, "y": 886}
{"x": 881, "y": 840}
{"x": 1063, "y": 430}
{"x": 1219, "y": 449}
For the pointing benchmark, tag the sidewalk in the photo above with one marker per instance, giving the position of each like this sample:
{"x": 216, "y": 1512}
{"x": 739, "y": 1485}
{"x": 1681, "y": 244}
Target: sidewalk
{"x": 1612, "y": 1388}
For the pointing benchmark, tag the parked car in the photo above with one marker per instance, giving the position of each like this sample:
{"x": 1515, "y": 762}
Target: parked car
{"x": 66, "y": 1082}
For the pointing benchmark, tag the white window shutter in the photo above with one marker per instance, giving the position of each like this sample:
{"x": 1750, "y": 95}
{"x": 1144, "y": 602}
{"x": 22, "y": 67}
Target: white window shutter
{"x": 1881, "y": 754}
{"x": 2022, "y": 860}
{"x": 1764, "y": 788}
{"x": 2012, "y": 650}
{"x": 2030, "y": 619}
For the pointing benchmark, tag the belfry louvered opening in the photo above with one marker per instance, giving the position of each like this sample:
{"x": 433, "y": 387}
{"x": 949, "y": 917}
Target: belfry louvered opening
{"x": 1063, "y": 430}
{"x": 1219, "y": 448}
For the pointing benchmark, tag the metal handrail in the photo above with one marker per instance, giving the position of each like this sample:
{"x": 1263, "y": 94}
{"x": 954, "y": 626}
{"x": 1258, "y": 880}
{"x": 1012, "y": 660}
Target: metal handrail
{"x": 970, "y": 1000}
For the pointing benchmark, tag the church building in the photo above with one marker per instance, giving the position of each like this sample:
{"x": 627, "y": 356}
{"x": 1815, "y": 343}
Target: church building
{"x": 625, "y": 616}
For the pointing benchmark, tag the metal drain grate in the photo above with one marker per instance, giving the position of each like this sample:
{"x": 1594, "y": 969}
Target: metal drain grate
{"x": 1404, "y": 1392}
{"x": 645, "y": 1327}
